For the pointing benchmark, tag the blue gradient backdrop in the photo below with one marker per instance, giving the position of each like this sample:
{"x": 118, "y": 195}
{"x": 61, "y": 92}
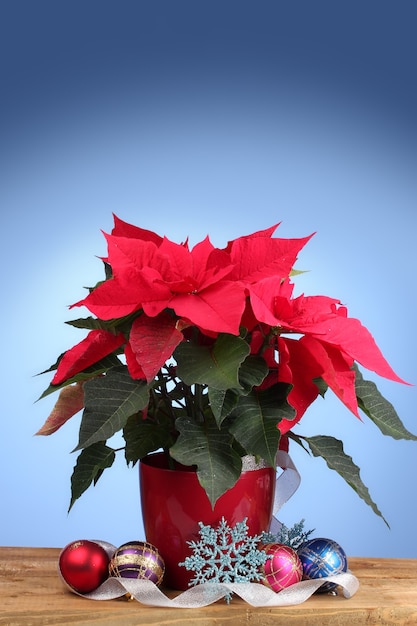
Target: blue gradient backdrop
{"x": 191, "y": 118}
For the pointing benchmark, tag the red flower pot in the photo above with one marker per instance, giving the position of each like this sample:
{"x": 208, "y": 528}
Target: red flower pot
{"x": 173, "y": 504}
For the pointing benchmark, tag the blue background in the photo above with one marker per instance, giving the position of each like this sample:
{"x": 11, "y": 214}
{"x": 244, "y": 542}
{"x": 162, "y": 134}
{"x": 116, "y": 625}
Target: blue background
{"x": 190, "y": 118}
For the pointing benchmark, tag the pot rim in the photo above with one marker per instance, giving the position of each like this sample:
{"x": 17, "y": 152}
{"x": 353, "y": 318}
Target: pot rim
{"x": 158, "y": 460}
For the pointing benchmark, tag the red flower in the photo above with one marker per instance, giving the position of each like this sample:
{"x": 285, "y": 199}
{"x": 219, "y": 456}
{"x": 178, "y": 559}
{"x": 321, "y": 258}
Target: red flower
{"x": 331, "y": 342}
{"x": 169, "y": 276}
{"x": 247, "y": 283}
{"x": 258, "y": 257}
{"x": 97, "y": 345}
{"x": 322, "y": 318}
{"x": 151, "y": 343}
{"x": 123, "y": 229}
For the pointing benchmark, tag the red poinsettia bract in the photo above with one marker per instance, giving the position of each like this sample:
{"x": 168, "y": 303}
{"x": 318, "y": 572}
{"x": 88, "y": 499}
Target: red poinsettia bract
{"x": 150, "y": 277}
{"x": 327, "y": 349}
{"x": 97, "y": 345}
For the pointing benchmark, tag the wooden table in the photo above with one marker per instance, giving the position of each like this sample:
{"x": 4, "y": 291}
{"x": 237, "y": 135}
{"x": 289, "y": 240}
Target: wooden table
{"x": 32, "y": 594}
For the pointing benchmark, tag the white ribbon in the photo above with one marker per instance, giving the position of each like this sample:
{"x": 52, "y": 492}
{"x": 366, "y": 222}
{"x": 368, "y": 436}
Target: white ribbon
{"x": 286, "y": 485}
{"x": 255, "y": 594}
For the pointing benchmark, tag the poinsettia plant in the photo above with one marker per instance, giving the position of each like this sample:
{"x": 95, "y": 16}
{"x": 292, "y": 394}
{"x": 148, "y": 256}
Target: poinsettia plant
{"x": 207, "y": 354}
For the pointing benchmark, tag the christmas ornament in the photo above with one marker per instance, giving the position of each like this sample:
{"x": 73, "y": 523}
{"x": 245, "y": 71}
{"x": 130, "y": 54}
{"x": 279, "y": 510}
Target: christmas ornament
{"x": 225, "y": 554}
{"x": 283, "y": 569}
{"x": 138, "y": 559}
{"x": 321, "y": 558}
{"x": 84, "y": 565}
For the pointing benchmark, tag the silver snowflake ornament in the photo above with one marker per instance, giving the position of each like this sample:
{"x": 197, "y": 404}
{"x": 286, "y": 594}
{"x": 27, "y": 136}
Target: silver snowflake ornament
{"x": 225, "y": 555}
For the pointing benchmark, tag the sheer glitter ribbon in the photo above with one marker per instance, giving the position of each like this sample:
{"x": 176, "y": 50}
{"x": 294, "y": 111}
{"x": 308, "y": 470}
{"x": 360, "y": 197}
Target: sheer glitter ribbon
{"x": 255, "y": 594}
{"x": 287, "y": 484}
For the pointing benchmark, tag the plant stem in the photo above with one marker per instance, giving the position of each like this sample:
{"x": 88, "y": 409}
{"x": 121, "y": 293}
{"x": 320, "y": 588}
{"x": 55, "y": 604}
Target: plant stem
{"x": 171, "y": 464}
{"x": 198, "y": 392}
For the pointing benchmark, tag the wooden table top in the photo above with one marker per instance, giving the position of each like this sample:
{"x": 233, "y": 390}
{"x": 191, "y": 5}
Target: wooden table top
{"x": 31, "y": 593}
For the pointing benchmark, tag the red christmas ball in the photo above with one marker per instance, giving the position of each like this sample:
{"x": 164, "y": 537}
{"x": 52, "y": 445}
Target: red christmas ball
{"x": 84, "y": 565}
{"x": 284, "y": 567}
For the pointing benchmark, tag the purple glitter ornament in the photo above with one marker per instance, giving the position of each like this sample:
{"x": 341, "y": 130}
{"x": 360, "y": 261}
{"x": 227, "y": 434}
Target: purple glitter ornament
{"x": 284, "y": 567}
{"x": 138, "y": 559}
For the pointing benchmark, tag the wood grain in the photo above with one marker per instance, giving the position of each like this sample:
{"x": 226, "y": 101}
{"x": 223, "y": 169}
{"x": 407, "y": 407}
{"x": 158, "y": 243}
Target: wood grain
{"x": 32, "y": 594}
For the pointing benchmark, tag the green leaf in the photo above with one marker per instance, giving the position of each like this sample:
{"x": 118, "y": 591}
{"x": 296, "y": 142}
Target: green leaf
{"x": 91, "y": 323}
{"x": 109, "y": 401}
{"x": 217, "y": 366}
{"x": 115, "y": 325}
{"x": 321, "y": 385}
{"x": 210, "y": 449}
{"x": 251, "y": 373}
{"x": 331, "y": 450}
{"x": 89, "y": 467}
{"x": 295, "y": 272}
{"x": 378, "y": 409}
{"x": 222, "y": 403}
{"x": 256, "y": 417}
{"x": 142, "y": 437}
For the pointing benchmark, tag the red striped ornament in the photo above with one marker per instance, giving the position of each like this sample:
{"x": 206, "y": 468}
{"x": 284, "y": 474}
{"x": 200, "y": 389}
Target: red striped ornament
{"x": 283, "y": 569}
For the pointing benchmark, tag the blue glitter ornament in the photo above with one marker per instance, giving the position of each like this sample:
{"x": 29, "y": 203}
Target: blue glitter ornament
{"x": 321, "y": 558}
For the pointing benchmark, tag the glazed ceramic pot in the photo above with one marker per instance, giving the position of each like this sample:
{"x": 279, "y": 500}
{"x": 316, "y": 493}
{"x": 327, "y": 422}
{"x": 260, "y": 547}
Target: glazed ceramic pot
{"x": 173, "y": 504}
